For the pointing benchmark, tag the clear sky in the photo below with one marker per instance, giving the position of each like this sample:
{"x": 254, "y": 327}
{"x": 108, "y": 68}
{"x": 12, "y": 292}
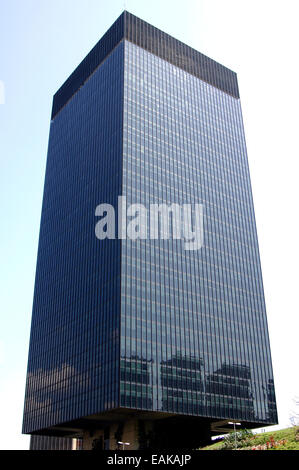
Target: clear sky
{"x": 41, "y": 42}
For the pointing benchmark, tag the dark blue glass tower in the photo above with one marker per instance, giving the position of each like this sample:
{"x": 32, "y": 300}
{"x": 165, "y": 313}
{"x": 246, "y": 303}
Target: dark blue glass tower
{"x": 136, "y": 339}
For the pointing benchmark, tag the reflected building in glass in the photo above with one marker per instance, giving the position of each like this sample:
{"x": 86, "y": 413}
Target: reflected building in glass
{"x": 142, "y": 340}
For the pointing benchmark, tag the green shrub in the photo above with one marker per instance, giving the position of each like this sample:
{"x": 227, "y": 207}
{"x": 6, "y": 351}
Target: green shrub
{"x": 237, "y": 440}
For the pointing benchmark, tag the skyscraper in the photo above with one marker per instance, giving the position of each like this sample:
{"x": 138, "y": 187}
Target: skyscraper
{"x": 142, "y": 338}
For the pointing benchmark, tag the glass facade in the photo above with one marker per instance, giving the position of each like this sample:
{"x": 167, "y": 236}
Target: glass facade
{"x": 194, "y": 336}
{"x": 73, "y": 365}
{"x": 145, "y": 324}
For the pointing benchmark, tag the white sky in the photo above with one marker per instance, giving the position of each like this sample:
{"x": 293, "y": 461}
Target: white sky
{"x": 40, "y": 45}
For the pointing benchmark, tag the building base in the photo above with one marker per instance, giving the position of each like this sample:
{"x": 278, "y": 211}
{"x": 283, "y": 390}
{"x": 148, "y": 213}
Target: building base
{"x": 139, "y": 434}
{"x": 129, "y": 429}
